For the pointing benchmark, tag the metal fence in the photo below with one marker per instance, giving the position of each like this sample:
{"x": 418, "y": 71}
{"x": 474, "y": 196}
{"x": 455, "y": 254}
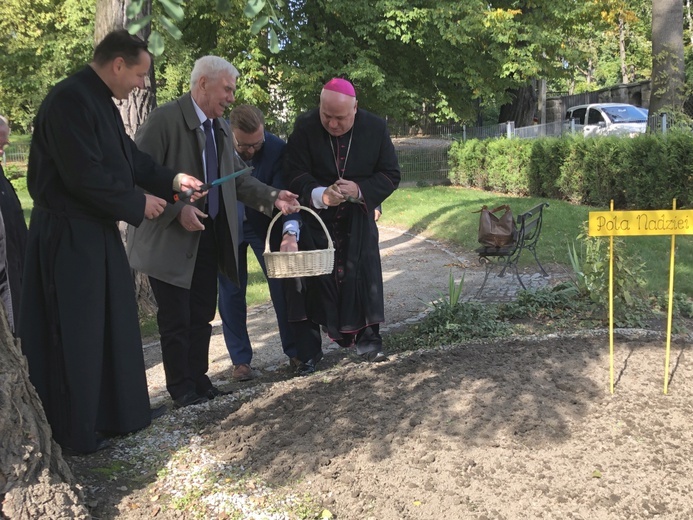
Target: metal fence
{"x": 423, "y": 159}
{"x": 16, "y": 153}
{"x": 423, "y": 150}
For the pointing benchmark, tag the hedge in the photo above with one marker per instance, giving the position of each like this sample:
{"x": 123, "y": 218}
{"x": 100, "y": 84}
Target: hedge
{"x": 645, "y": 172}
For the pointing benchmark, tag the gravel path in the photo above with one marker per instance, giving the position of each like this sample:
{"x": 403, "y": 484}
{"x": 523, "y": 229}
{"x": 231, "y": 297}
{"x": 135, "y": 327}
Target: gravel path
{"x": 416, "y": 272}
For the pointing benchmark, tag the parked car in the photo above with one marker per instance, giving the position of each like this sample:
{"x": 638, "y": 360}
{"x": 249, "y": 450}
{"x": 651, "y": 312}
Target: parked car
{"x": 608, "y": 119}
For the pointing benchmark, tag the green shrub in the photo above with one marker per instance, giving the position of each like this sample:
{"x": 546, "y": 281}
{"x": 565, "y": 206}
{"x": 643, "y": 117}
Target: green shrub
{"x": 467, "y": 164}
{"x": 647, "y": 163}
{"x": 545, "y": 166}
{"x": 507, "y": 164}
{"x": 571, "y": 182}
{"x": 591, "y": 268}
{"x": 679, "y": 175}
{"x": 645, "y": 172}
{"x": 15, "y": 171}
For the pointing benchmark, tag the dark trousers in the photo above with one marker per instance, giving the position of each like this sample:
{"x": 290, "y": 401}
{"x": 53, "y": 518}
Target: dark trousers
{"x": 184, "y": 318}
{"x": 233, "y": 308}
{"x": 309, "y": 339}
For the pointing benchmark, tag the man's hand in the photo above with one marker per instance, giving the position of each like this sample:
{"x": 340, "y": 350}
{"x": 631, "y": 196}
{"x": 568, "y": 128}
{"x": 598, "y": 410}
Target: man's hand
{"x": 183, "y": 182}
{"x": 289, "y": 244}
{"x": 153, "y": 206}
{"x": 190, "y": 218}
{"x": 287, "y": 202}
{"x": 348, "y": 188}
{"x": 332, "y": 196}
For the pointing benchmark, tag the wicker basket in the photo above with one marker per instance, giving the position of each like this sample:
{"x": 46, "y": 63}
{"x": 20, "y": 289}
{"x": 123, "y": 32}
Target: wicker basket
{"x": 299, "y": 263}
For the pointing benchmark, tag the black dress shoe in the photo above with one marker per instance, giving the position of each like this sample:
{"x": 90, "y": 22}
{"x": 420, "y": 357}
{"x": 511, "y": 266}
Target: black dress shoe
{"x": 374, "y": 356}
{"x": 189, "y": 399}
{"x": 159, "y": 411}
{"x": 101, "y": 444}
{"x": 303, "y": 369}
{"x": 213, "y": 392}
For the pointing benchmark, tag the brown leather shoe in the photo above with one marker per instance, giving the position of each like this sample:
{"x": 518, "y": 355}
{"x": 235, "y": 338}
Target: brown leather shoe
{"x": 242, "y": 372}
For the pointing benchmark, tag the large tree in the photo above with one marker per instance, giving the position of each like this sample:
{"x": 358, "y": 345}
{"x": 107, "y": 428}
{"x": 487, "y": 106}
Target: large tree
{"x": 35, "y": 481}
{"x": 668, "y": 69}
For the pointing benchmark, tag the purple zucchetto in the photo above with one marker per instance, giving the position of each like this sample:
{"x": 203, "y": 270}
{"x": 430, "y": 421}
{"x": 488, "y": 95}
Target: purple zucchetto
{"x": 340, "y": 85}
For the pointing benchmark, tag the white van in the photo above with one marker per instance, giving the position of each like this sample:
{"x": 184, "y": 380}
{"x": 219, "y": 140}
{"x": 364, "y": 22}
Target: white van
{"x": 608, "y": 119}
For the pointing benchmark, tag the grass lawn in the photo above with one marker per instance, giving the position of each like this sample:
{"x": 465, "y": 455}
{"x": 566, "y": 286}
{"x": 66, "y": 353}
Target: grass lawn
{"x": 447, "y": 213}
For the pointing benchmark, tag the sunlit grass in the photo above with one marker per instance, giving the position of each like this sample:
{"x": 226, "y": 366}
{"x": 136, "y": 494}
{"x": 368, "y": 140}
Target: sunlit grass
{"x": 448, "y": 214}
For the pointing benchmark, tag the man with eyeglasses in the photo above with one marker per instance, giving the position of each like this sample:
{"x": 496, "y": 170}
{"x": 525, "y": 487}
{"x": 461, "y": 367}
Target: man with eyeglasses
{"x": 264, "y": 151}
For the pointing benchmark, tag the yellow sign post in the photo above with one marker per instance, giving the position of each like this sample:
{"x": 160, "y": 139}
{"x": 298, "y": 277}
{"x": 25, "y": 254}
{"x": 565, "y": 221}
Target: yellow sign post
{"x": 637, "y": 223}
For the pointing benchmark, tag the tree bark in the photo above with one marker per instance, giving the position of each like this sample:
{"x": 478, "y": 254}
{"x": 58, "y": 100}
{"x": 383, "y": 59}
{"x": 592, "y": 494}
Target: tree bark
{"x": 110, "y": 15}
{"x": 689, "y": 19}
{"x": 622, "y": 49}
{"x": 668, "y": 81}
{"x": 522, "y": 107}
{"x": 35, "y": 481}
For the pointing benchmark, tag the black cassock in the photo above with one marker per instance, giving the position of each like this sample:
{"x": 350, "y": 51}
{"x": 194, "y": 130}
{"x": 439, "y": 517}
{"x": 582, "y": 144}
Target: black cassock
{"x": 79, "y": 323}
{"x": 15, "y": 243}
{"x": 351, "y": 298}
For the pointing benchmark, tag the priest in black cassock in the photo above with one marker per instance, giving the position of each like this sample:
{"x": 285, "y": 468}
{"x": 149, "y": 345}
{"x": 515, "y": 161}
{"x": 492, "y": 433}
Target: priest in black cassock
{"x": 341, "y": 161}
{"x": 12, "y": 239}
{"x": 79, "y": 327}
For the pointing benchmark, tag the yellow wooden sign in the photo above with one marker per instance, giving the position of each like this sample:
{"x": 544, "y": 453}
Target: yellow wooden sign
{"x": 637, "y": 223}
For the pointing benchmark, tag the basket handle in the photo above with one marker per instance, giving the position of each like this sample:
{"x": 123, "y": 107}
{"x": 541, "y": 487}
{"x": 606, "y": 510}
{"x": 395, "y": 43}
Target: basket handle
{"x": 330, "y": 245}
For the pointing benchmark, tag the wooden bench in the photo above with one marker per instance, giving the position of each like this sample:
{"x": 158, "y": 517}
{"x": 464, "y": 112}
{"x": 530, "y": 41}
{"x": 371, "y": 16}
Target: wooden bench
{"x": 529, "y": 229}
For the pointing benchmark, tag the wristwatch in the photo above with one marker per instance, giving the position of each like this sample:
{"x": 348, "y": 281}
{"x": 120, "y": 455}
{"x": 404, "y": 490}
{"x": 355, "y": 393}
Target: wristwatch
{"x": 291, "y": 232}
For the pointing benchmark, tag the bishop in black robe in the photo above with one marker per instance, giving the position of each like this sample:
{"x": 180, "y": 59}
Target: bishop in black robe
{"x": 349, "y": 301}
{"x": 80, "y": 328}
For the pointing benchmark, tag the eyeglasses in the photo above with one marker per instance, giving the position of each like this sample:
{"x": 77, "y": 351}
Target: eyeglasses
{"x": 254, "y": 146}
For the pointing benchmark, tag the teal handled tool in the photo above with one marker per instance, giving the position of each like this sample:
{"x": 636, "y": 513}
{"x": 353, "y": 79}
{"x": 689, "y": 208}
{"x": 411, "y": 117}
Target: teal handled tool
{"x": 184, "y": 195}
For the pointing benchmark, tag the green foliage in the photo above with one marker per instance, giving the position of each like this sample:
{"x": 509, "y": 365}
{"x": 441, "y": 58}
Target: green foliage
{"x": 645, "y": 172}
{"x": 410, "y": 61}
{"x": 545, "y": 310}
{"x": 507, "y": 164}
{"x": 591, "y": 265}
{"x": 447, "y": 304}
{"x": 261, "y": 13}
{"x": 603, "y": 170}
{"x": 467, "y": 164}
{"x": 42, "y": 41}
{"x": 592, "y": 54}
{"x": 546, "y": 304}
{"x": 444, "y": 326}
{"x": 14, "y": 171}
{"x": 682, "y": 305}
{"x": 545, "y": 166}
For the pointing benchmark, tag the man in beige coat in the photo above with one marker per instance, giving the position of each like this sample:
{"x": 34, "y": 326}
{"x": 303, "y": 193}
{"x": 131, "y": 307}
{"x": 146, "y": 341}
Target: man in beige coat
{"x": 185, "y": 248}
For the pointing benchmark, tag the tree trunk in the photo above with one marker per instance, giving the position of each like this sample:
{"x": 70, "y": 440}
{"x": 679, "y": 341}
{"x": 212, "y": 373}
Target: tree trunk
{"x": 110, "y": 15}
{"x": 622, "y": 49}
{"x": 668, "y": 82}
{"x": 689, "y": 18}
{"x": 35, "y": 481}
{"x": 522, "y": 107}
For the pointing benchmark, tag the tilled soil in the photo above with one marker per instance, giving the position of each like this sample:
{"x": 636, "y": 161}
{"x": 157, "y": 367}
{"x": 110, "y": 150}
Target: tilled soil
{"x": 518, "y": 428}
{"x": 523, "y": 428}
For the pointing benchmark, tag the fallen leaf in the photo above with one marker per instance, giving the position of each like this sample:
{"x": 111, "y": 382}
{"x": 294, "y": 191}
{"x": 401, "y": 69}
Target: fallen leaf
{"x": 596, "y": 474}
{"x": 326, "y": 514}
{"x": 417, "y": 503}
